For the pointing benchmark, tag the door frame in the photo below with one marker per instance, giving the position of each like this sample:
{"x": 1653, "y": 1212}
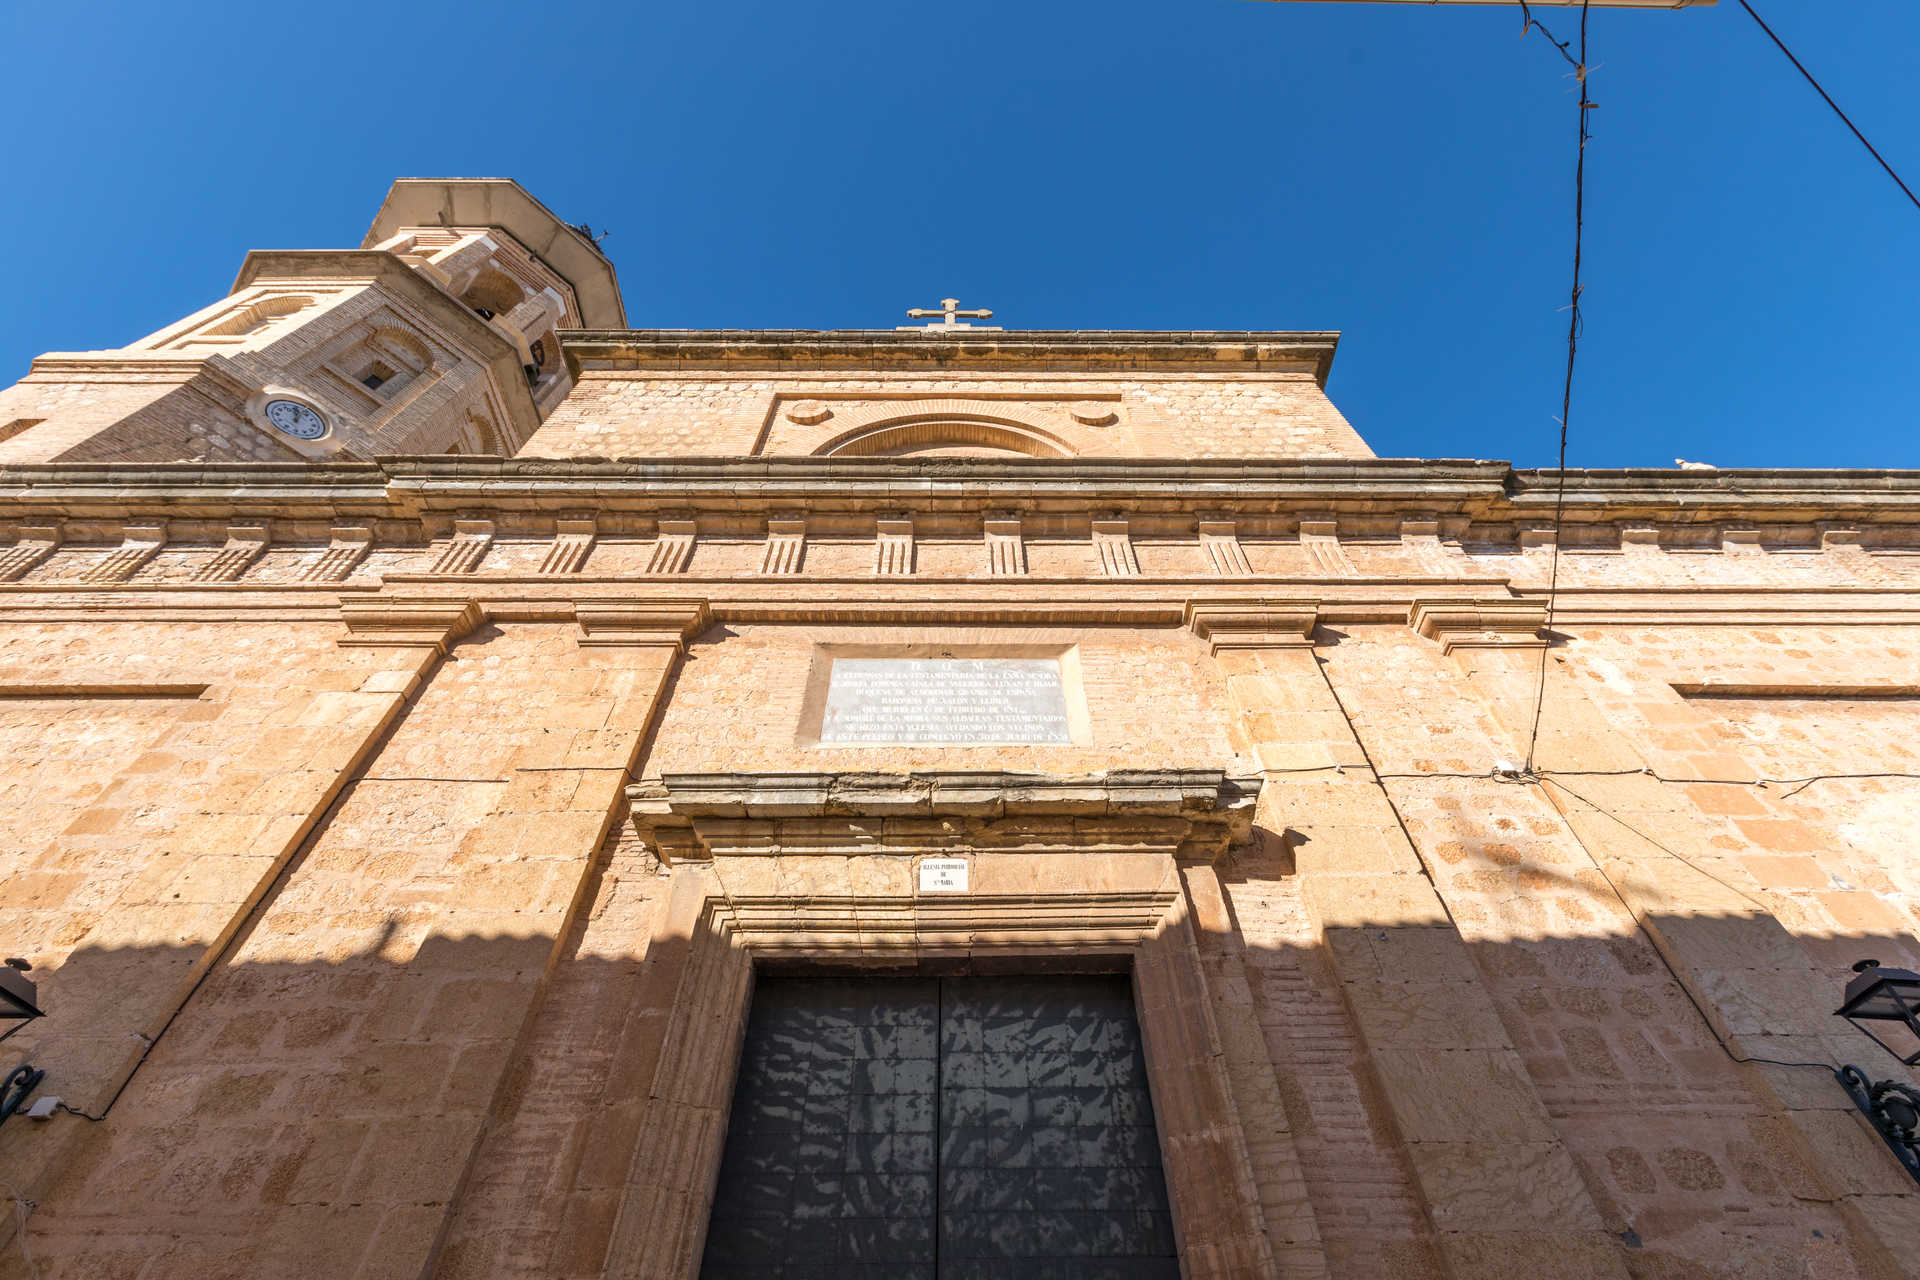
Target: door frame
{"x": 805, "y": 871}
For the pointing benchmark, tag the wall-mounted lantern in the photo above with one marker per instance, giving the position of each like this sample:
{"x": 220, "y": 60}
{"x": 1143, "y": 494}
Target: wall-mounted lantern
{"x": 17, "y": 994}
{"x": 1885, "y": 1003}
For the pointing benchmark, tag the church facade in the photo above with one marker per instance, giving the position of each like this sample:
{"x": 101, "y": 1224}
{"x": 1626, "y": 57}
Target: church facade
{"x": 491, "y": 791}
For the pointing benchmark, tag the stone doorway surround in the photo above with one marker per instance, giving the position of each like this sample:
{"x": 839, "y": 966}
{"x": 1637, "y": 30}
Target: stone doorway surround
{"x": 819, "y": 870}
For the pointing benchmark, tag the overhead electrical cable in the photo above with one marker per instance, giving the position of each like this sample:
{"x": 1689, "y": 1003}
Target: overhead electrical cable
{"x": 1579, "y": 64}
{"x": 1844, "y": 118}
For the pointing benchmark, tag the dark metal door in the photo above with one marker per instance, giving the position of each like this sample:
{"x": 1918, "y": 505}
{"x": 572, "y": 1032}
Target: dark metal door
{"x": 1046, "y": 1164}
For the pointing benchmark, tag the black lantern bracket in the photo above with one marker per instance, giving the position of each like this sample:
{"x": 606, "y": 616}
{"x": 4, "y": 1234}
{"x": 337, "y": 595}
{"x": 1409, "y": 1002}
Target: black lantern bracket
{"x": 1894, "y": 1111}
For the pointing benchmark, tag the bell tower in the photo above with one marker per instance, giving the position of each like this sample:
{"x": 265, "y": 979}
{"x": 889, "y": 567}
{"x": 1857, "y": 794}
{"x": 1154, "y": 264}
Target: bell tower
{"x": 435, "y": 336}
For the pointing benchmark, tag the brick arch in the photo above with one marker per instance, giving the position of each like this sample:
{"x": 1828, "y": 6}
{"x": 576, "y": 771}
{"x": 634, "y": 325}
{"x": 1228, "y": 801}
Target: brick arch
{"x": 402, "y": 343}
{"x": 927, "y": 431}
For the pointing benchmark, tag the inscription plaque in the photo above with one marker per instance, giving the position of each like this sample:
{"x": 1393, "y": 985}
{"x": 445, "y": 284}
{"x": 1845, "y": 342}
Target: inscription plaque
{"x": 943, "y": 875}
{"x": 953, "y": 701}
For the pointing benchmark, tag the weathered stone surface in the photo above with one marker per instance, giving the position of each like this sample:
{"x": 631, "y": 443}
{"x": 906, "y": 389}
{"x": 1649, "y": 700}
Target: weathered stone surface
{"x": 396, "y": 840}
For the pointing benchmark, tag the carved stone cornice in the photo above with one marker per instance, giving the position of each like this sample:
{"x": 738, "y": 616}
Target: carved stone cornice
{"x": 1254, "y": 622}
{"x": 1371, "y": 496}
{"x": 408, "y": 623}
{"x": 1196, "y": 349}
{"x": 620, "y": 623}
{"x": 1194, "y": 813}
{"x": 1480, "y": 624}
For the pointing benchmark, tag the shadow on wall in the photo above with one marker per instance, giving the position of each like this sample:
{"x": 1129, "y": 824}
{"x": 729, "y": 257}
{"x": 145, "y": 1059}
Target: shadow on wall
{"x": 457, "y": 1106}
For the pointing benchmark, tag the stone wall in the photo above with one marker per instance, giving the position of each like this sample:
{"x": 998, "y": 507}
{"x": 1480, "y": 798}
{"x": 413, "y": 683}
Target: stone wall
{"x": 620, "y": 414}
{"x": 1472, "y": 1002}
{"x": 354, "y": 918}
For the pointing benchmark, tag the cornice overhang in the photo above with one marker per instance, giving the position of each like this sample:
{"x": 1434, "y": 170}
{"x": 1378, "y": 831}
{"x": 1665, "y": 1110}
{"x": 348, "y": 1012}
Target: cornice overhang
{"x": 504, "y": 204}
{"x": 1194, "y": 813}
{"x": 412, "y": 484}
{"x": 1372, "y": 493}
{"x": 1297, "y": 351}
{"x": 1754, "y": 492}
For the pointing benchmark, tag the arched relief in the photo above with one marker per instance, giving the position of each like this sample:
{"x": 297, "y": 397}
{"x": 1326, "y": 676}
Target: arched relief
{"x": 404, "y": 347}
{"x": 479, "y": 436}
{"x": 942, "y": 434}
{"x": 1050, "y": 427}
{"x": 248, "y": 322}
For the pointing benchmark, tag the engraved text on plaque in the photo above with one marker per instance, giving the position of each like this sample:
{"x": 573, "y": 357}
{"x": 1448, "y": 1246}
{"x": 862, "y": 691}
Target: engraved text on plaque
{"x": 957, "y": 701}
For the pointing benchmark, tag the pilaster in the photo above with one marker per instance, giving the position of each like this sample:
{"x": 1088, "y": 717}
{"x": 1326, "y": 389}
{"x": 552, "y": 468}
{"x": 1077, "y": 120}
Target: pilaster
{"x": 1456, "y": 1092}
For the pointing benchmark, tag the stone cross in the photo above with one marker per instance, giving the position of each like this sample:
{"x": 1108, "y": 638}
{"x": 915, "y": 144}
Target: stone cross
{"x": 948, "y": 317}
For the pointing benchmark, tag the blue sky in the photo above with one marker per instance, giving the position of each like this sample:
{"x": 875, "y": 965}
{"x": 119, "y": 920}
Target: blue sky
{"x": 1400, "y": 173}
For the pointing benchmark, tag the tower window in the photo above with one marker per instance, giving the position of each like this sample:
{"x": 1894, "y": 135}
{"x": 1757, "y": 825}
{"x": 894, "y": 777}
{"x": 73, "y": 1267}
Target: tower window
{"x": 382, "y": 367}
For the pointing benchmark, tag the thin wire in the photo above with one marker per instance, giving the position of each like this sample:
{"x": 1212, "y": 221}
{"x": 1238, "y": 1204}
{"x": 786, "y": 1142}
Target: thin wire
{"x": 1534, "y": 24}
{"x": 1527, "y": 775}
{"x": 1667, "y": 964}
{"x": 1844, "y": 119}
{"x": 1573, "y": 348}
{"x": 1672, "y": 972}
{"x": 22, "y": 1209}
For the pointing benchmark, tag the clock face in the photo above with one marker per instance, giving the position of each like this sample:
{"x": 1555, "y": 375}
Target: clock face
{"x": 296, "y": 419}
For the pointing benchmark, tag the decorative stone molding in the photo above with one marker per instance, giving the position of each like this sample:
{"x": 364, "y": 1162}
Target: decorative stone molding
{"x": 1639, "y": 538}
{"x": 673, "y": 549}
{"x": 1198, "y": 813}
{"x": 1741, "y": 541}
{"x": 1220, "y": 539}
{"x": 37, "y": 542}
{"x": 908, "y": 432}
{"x": 471, "y": 538}
{"x": 1254, "y": 623}
{"x": 385, "y": 621}
{"x": 572, "y": 544}
{"x": 786, "y": 546}
{"x": 245, "y": 544}
{"x": 1320, "y": 538}
{"x": 1125, "y": 907}
{"x": 1022, "y": 349}
{"x": 1115, "y": 549}
{"x": 1480, "y": 624}
{"x": 1421, "y": 538}
{"x": 1006, "y": 548}
{"x": 623, "y": 623}
{"x": 893, "y": 547}
{"x": 1037, "y": 424}
{"x": 348, "y": 548}
{"x": 142, "y": 542}
{"x": 392, "y": 494}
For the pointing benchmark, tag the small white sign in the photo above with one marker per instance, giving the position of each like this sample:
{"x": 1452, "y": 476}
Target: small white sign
{"x": 943, "y": 875}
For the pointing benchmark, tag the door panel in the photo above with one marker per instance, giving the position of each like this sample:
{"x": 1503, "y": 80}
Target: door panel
{"x": 829, "y": 1166}
{"x": 1049, "y": 1163}
{"x": 1046, "y": 1164}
